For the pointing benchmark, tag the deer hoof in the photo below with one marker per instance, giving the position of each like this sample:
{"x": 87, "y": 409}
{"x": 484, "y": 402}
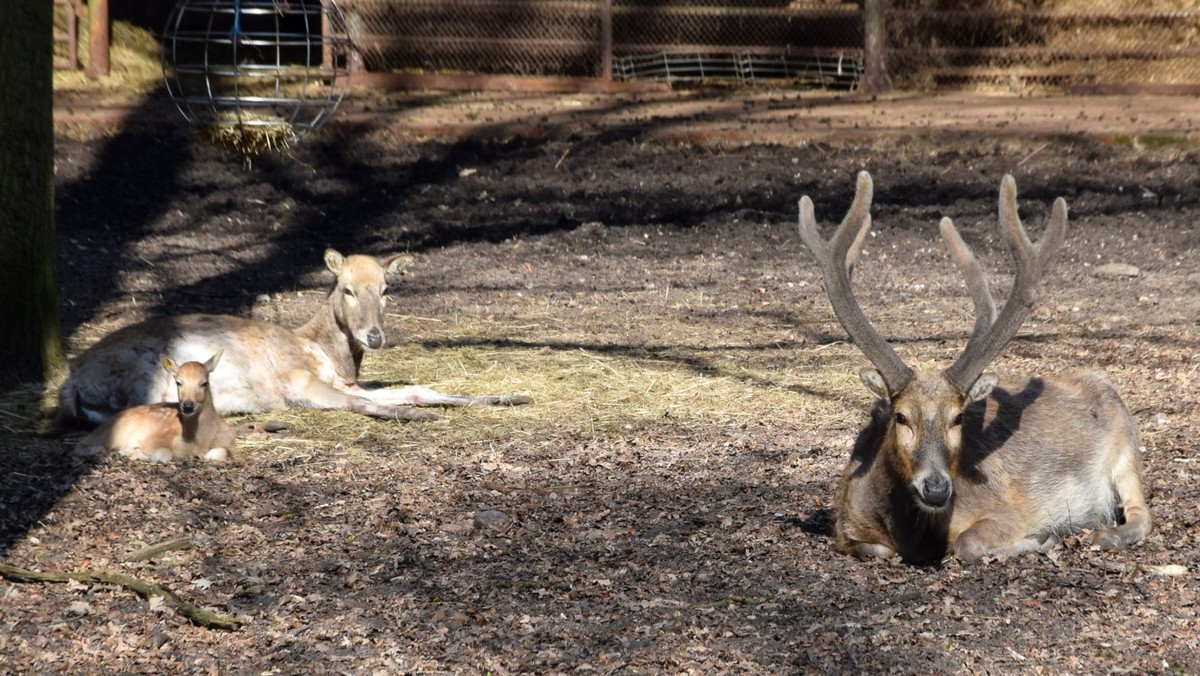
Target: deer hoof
{"x": 513, "y": 400}
{"x": 88, "y": 450}
{"x": 217, "y": 455}
{"x": 415, "y": 414}
{"x": 1108, "y": 539}
{"x": 272, "y": 428}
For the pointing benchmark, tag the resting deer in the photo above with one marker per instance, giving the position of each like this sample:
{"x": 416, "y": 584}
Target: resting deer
{"x": 191, "y": 428}
{"x": 268, "y": 367}
{"x": 960, "y": 461}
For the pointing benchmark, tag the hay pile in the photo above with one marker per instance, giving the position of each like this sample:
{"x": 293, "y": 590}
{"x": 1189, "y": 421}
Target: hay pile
{"x": 135, "y": 69}
{"x": 578, "y": 394}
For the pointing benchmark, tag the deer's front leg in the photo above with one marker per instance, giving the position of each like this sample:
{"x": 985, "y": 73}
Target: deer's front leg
{"x": 315, "y": 393}
{"x": 871, "y": 550}
{"x": 423, "y": 396}
{"x": 997, "y": 536}
{"x": 857, "y": 535}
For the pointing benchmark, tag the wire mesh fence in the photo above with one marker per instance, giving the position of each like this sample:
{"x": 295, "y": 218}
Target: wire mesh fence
{"x": 816, "y": 71}
{"x": 738, "y": 40}
{"x": 939, "y": 44}
{"x": 934, "y": 44}
{"x": 514, "y": 37}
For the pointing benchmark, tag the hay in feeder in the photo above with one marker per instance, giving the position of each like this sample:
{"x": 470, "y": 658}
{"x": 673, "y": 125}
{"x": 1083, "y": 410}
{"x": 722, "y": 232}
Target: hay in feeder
{"x": 250, "y": 134}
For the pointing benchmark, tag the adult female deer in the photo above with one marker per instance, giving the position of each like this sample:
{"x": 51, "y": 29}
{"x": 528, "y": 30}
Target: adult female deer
{"x": 960, "y": 461}
{"x": 191, "y": 428}
{"x": 268, "y": 367}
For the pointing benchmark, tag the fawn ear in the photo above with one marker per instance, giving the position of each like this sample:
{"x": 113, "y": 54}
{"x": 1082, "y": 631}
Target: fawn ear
{"x": 874, "y": 381}
{"x": 334, "y": 261}
{"x": 982, "y": 387}
{"x": 168, "y": 363}
{"x": 211, "y": 364}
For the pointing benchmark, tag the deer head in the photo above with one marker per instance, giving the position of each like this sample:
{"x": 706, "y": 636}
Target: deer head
{"x": 360, "y": 294}
{"x": 191, "y": 382}
{"x": 923, "y": 435}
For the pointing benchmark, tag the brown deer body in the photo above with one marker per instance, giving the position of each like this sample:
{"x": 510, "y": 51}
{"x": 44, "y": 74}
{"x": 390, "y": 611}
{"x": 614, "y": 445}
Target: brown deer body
{"x": 191, "y": 428}
{"x": 268, "y": 367}
{"x": 959, "y": 461}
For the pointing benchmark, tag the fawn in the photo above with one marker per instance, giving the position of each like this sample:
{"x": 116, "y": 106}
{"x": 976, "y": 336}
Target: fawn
{"x": 163, "y": 432}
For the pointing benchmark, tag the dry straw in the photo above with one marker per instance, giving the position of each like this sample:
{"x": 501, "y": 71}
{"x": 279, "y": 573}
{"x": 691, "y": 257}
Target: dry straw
{"x": 134, "y": 66}
{"x": 248, "y": 133}
{"x": 578, "y": 394}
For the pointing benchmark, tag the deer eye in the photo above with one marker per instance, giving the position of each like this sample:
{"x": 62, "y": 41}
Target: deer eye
{"x": 901, "y": 419}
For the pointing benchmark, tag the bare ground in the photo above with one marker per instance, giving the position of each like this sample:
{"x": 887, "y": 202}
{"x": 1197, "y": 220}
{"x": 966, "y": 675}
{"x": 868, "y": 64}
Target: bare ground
{"x": 670, "y": 492}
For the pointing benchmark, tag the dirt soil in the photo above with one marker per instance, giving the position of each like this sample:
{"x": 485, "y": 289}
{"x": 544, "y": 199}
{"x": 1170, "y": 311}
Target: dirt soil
{"x": 667, "y": 504}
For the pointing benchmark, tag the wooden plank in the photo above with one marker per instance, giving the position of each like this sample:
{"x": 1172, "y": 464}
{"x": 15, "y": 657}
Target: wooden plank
{"x": 512, "y": 83}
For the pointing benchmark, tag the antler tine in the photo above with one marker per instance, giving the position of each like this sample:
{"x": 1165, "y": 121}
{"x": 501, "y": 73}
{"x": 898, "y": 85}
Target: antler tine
{"x": 977, "y": 281}
{"x": 1030, "y": 262}
{"x": 857, "y": 244}
{"x": 836, "y": 259}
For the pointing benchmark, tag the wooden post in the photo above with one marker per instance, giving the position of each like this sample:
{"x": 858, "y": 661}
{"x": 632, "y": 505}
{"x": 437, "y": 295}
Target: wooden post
{"x": 98, "y": 64}
{"x": 326, "y": 45}
{"x": 31, "y": 347}
{"x": 875, "y": 78}
{"x": 72, "y": 35}
{"x": 606, "y": 40}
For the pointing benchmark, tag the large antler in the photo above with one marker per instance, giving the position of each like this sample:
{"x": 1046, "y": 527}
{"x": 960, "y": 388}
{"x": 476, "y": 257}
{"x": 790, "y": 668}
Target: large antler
{"x": 992, "y": 332}
{"x": 836, "y": 259}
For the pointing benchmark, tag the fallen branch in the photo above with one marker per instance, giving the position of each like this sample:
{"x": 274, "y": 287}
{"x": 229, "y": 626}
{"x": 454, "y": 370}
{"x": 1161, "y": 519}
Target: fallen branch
{"x": 195, "y": 614}
{"x": 154, "y": 550}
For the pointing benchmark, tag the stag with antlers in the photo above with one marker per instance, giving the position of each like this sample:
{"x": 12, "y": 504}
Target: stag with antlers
{"x": 962, "y": 461}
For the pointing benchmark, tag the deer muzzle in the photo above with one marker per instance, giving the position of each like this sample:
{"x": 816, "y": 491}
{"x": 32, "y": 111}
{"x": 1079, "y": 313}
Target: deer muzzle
{"x": 934, "y": 489}
{"x": 375, "y": 339}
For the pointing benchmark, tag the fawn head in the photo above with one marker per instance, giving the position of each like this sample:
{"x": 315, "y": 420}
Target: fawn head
{"x": 191, "y": 382}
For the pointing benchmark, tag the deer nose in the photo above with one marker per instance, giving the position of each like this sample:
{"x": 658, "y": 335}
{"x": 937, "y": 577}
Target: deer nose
{"x": 374, "y": 339}
{"x": 187, "y": 407}
{"x": 936, "y": 489}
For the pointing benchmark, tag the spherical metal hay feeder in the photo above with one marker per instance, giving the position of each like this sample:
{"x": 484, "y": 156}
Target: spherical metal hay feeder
{"x": 256, "y": 75}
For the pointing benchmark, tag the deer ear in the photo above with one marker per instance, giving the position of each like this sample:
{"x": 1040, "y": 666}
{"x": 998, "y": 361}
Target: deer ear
{"x": 874, "y": 381}
{"x": 211, "y": 364}
{"x": 982, "y": 387}
{"x": 168, "y": 363}
{"x": 334, "y": 261}
{"x": 397, "y": 262}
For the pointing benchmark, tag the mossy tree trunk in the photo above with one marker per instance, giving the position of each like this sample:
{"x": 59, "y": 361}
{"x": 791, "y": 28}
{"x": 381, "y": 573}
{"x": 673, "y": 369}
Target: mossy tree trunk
{"x": 30, "y": 332}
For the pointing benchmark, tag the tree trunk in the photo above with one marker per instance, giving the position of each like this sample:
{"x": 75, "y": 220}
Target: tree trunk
{"x": 875, "y": 78}
{"x": 30, "y": 333}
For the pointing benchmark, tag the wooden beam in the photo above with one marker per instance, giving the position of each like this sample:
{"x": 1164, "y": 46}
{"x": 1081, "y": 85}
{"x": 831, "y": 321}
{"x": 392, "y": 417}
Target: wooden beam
{"x": 510, "y": 83}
